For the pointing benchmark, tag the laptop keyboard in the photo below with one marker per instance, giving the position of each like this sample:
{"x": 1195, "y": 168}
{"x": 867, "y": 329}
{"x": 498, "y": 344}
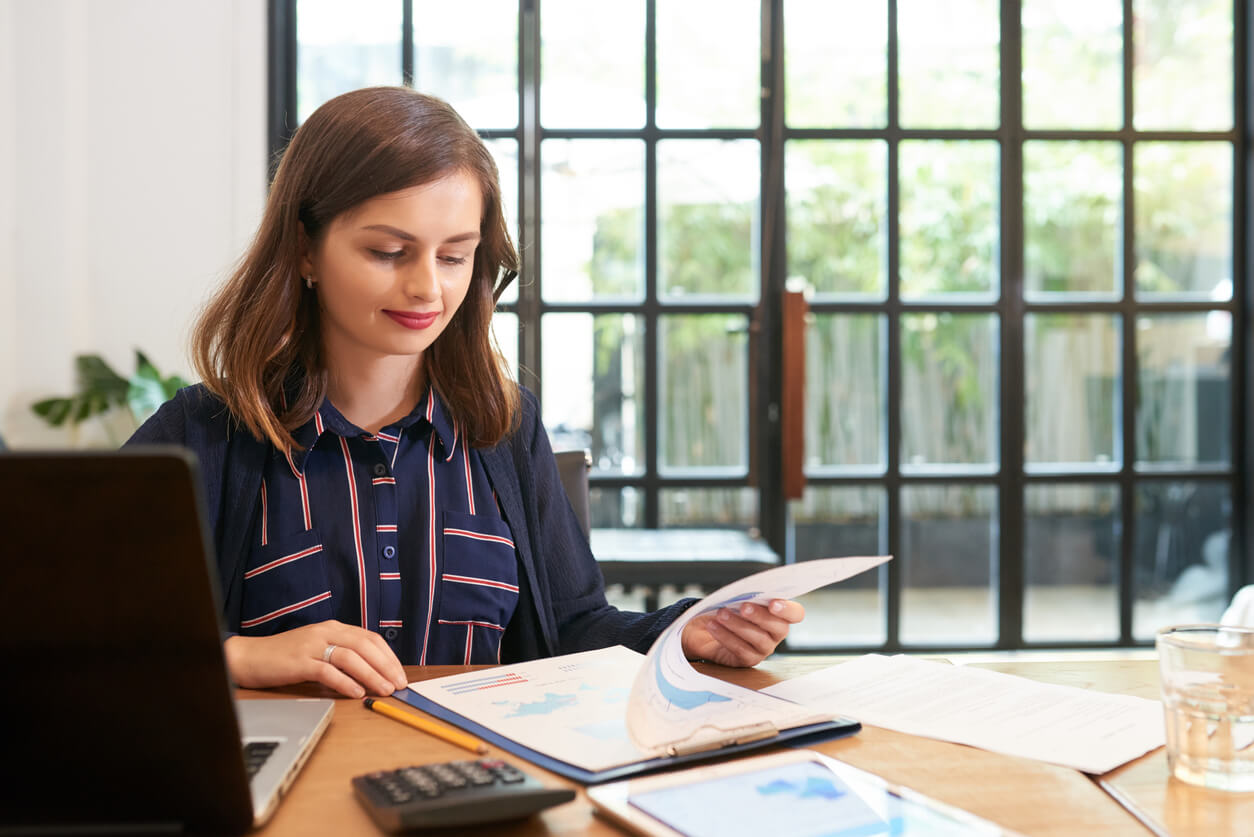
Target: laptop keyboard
{"x": 256, "y": 753}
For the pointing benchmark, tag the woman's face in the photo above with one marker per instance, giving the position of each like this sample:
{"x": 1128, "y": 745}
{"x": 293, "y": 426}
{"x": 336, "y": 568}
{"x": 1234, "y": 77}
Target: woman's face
{"x": 391, "y": 273}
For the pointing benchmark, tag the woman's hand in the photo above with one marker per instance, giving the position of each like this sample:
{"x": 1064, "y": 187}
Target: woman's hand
{"x": 359, "y": 660}
{"x": 743, "y": 635}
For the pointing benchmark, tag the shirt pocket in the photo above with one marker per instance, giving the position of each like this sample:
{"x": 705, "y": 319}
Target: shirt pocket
{"x": 285, "y": 585}
{"x": 479, "y": 582}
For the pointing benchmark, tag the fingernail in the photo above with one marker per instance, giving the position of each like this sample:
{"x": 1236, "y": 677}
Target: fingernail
{"x": 724, "y": 614}
{"x": 359, "y": 692}
{"x": 747, "y": 609}
{"x": 777, "y": 607}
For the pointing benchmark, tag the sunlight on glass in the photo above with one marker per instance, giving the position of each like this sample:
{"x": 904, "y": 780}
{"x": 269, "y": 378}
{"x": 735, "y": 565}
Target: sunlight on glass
{"x": 948, "y": 63}
{"x": 830, "y": 522}
{"x": 845, "y": 384}
{"x": 949, "y": 392}
{"x": 723, "y": 508}
{"x": 1072, "y": 388}
{"x": 1184, "y": 409}
{"x": 707, "y": 211}
{"x": 836, "y": 64}
{"x": 703, "y": 393}
{"x": 1072, "y": 216}
{"x": 1183, "y": 69}
{"x": 1181, "y": 554}
{"x": 467, "y": 54}
{"x": 948, "y": 565}
{"x": 505, "y": 333}
{"x": 837, "y": 205}
{"x": 1072, "y": 64}
{"x": 948, "y": 223}
{"x": 592, "y": 73}
{"x": 593, "y": 387}
{"x": 1071, "y": 561}
{"x": 1183, "y": 219}
{"x": 708, "y": 71}
{"x": 616, "y": 508}
{"x": 592, "y": 225}
{"x": 341, "y": 47}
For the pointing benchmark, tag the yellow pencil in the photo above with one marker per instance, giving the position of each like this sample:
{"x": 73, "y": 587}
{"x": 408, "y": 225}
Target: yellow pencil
{"x": 452, "y": 736}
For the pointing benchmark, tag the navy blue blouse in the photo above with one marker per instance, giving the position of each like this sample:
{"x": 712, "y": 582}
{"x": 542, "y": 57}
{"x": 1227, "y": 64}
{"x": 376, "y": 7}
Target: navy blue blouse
{"x": 398, "y": 532}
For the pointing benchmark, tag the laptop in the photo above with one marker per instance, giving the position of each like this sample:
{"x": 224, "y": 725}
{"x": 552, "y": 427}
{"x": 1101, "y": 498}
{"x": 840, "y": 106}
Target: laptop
{"x": 117, "y": 710}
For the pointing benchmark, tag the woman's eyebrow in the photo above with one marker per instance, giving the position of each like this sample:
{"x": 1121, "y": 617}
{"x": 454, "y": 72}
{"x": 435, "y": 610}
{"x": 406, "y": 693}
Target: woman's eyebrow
{"x": 472, "y": 235}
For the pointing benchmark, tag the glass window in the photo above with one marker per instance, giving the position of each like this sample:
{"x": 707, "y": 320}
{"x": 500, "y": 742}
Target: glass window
{"x": 467, "y": 54}
{"x": 837, "y": 68}
{"x": 707, "y": 72}
{"x": 1183, "y": 68}
{"x": 949, "y": 63}
{"x": 341, "y": 48}
{"x": 1072, "y": 64}
{"x": 592, "y": 76}
{"x": 845, "y": 393}
{"x": 703, "y": 376}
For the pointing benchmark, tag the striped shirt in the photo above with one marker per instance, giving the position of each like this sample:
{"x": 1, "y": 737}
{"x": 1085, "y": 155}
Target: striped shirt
{"x": 398, "y": 532}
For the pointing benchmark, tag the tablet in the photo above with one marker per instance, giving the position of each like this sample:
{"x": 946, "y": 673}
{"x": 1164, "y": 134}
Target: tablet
{"x": 800, "y": 793}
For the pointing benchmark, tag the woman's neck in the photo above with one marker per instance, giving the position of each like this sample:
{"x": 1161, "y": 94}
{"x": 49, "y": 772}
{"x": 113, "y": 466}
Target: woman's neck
{"x": 375, "y": 393}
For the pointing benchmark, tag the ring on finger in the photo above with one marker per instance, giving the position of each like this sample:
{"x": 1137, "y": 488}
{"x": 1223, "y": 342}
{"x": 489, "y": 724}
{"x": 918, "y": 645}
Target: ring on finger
{"x": 327, "y": 652}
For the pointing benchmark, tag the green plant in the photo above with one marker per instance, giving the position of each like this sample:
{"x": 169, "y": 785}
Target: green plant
{"x": 101, "y": 389}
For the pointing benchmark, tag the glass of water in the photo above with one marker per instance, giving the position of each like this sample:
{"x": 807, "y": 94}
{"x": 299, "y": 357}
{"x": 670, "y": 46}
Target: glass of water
{"x": 1208, "y": 697}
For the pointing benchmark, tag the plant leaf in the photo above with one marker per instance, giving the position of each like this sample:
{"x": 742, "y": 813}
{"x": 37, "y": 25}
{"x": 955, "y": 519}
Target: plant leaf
{"x": 96, "y": 377}
{"x": 145, "y": 394}
{"x": 53, "y": 410}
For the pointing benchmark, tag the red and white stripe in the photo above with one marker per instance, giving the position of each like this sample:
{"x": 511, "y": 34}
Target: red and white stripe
{"x": 383, "y": 481}
{"x": 453, "y": 449}
{"x": 391, "y": 623}
{"x": 472, "y": 623}
{"x": 264, "y": 514}
{"x": 388, "y": 437}
{"x": 286, "y": 559}
{"x": 389, "y": 577}
{"x": 479, "y": 536}
{"x": 470, "y": 489}
{"x": 361, "y": 556}
{"x": 385, "y": 527}
{"x": 481, "y": 582}
{"x": 275, "y": 614}
{"x": 431, "y": 567}
{"x": 304, "y": 487}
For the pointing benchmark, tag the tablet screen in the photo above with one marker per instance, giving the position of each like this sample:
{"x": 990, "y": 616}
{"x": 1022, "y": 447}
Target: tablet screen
{"x": 803, "y": 799}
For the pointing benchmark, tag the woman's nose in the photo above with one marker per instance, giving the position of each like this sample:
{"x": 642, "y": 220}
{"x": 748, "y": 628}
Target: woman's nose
{"x": 421, "y": 280}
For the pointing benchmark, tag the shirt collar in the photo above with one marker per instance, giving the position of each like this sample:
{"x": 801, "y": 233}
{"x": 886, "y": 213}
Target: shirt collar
{"x": 429, "y": 412}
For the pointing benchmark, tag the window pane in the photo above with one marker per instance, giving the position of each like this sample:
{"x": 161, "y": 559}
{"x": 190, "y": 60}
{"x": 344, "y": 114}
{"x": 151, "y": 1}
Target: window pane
{"x": 948, "y": 565}
{"x": 949, "y": 63}
{"x": 703, "y": 390}
{"x": 505, "y": 332}
{"x": 592, "y": 76}
{"x": 1183, "y": 415}
{"x": 341, "y": 47}
{"x": 837, "y": 196}
{"x": 829, "y": 522}
{"x": 1183, "y": 67}
{"x": 1071, "y": 558}
{"x": 845, "y": 392}
{"x": 948, "y": 222}
{"x": 1183, "y": 533}
{"x": 505, "y": 153}
{"x": 708, "y": 72}
{"x": 735, "y": 508}
{"x": 1073, "y": 64}
{"x": 467, "y": 54}
{"x": 1183, "y": 219}
{"x": 1072, "y": 211}
{"x": 707, "y": 210}
{"x": 592, "y": 374}
{"x": 949, "y": 391}
{"x": 836, "y": 63}
{"x": 1073, "y": 391}
{"x": 616, "y": 508}
{"x": 592, "y": 219}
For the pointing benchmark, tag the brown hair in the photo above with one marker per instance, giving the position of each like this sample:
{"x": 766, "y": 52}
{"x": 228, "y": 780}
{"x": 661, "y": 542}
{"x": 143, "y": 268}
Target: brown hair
{"x": 256, "y": 345}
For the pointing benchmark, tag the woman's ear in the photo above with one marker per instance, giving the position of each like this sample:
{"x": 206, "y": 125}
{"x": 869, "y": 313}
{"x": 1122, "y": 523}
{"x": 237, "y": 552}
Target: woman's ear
{"x": 306, "y": 252}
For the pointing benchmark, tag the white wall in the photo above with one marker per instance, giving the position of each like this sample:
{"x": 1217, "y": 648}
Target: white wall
{"x": 132, "y": 175}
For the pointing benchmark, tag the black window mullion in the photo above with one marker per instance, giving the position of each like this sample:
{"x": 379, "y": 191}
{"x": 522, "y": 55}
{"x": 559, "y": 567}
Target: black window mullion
{"x": 1241, "y": 572}
{"x": 893, "y": 577}
{"x": 529, "y": 290}
{"x": 282, "y": 93}
{"x": 1127, "y": 499}
{"x": 650, "y": 312}
{"x": 407, "y": 43}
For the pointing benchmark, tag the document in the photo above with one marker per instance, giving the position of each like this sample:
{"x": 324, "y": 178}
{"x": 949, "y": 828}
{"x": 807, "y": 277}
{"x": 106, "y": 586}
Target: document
{"x": 1086, "y": 730}
{"x": 600, "y": 715}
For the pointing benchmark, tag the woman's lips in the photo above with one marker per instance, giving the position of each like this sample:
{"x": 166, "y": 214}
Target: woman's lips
{"x": 412, "y": 320}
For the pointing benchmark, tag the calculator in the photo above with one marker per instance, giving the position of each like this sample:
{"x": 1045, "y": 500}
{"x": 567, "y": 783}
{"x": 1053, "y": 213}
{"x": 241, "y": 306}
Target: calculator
{"x": 453, "y": 793}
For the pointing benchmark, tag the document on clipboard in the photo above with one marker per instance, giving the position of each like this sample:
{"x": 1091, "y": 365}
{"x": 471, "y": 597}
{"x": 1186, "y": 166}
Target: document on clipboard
{"x": 596, "y": 716}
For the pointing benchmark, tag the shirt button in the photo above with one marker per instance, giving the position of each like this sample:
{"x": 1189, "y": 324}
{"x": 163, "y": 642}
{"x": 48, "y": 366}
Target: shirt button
{"x": 389, "y": 551}
{"x": 391, "y": 634}
{"x": 380, "y": 470}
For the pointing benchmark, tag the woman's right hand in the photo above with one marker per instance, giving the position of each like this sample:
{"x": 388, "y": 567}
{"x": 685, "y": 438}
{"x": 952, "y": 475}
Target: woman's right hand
{"x": 360, "y": 661}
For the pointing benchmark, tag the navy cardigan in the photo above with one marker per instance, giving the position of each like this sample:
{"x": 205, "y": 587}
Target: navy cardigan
{"x": 561, "y": 598}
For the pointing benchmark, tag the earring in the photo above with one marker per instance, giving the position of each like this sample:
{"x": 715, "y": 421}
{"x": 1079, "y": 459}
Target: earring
{"x": 309, "y": 282}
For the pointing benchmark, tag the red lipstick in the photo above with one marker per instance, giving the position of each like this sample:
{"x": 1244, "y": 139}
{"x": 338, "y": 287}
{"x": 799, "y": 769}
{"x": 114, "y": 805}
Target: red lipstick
{"x": 411, "y": 320}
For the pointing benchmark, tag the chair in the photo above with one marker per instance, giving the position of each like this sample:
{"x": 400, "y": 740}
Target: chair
{"x": 572, "y": 469}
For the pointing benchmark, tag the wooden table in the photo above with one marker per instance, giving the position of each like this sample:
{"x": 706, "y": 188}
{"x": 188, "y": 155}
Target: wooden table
{"x": 1027, "y": 796}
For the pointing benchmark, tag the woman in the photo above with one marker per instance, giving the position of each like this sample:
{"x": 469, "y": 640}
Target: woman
{"x": 380, "y": 490}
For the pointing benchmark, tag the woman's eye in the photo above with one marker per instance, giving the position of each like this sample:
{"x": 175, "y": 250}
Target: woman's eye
{"x": 387, "y": 255}
{"x": 454, "y": 260}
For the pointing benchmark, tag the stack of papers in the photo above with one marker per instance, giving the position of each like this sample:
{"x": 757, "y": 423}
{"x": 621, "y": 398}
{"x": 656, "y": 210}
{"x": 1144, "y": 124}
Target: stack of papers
{"x": 1089, "y": 731}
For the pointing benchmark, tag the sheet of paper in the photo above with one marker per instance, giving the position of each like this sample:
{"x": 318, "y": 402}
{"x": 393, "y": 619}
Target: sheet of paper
{"x": 1086, "y": 730}
{"x": 672, "y": 705}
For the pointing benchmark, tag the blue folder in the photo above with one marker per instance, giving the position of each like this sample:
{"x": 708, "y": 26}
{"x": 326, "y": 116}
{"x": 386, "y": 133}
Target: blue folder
{"x": 793, "y": 736}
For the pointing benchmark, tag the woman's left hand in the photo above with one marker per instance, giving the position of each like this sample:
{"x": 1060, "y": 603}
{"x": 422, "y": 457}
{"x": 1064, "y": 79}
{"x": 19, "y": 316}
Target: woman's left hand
{"x": 743, "y": 635}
